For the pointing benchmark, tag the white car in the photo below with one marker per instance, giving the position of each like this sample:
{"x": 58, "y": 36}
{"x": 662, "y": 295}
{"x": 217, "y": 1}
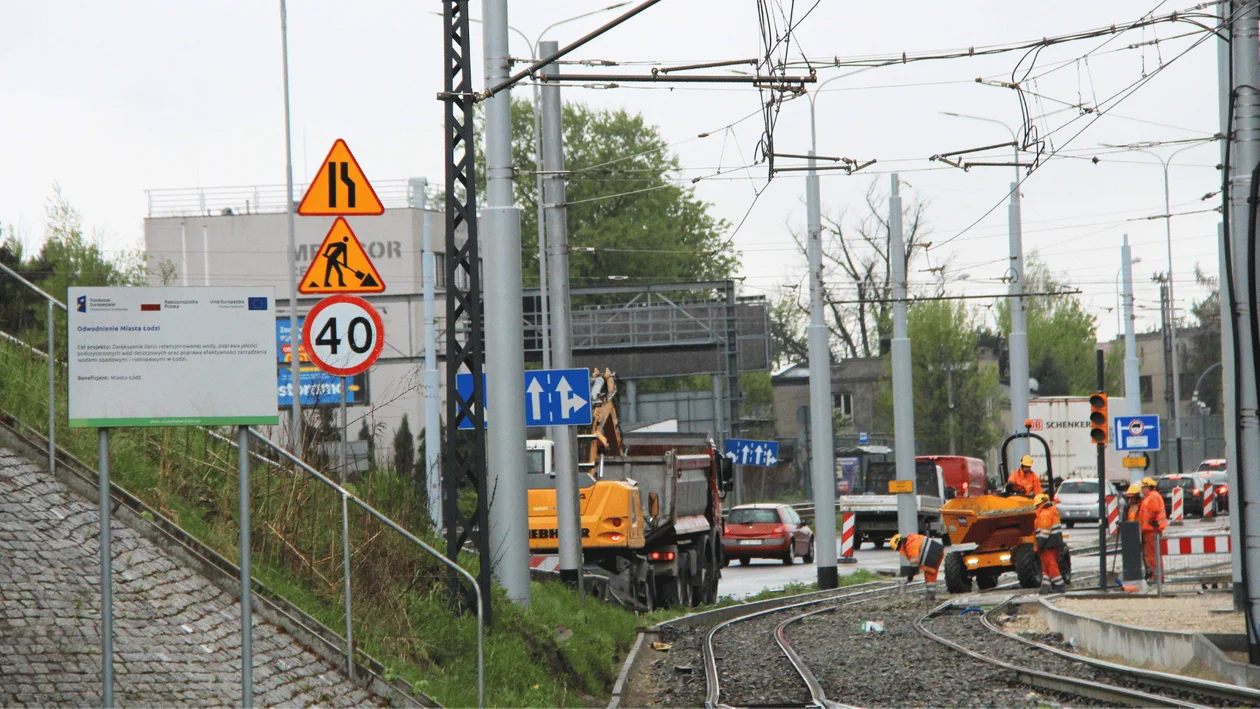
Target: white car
{"x": 1077, "y": 500}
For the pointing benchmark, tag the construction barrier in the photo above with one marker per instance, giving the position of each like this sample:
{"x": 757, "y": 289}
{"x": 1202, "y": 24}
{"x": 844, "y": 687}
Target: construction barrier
{"x": 1209, "y": 500}
{"x": 1199, "y": 561}
{"x": 1178, "y": 511}
{"x": 1113, "y": 515}
{"x": 848, "y": 531}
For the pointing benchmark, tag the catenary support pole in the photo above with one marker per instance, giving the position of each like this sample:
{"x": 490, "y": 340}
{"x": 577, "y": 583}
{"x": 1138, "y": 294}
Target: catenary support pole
{"x": 1019, "y": 325}
{"x": 1244, "y": 156}
{"x": 1132, "y": 380}
{"x": 247, "y": 630}
{"x": 107, "y": 572}
{"x": 1102, "y": 477}
{"x": 822, "y": 453}
{"x": 505, "y": 361}
{"x": 568, "y": 514}
{"x": 432, "y": 401}
{"x": 295, "y": 332}
{"x": 544, "y": 293}
{"x": 903, "y": 385}
{"x": 52, "y": 392}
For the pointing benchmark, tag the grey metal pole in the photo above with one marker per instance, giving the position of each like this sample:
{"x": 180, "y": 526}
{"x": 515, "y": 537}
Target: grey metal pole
{"x": 432, "y": 401}
{"x": 247, "y": 631}
{"x": 568, "y": 512}
{"x": 1019, "y": 326}
{"x": 544, "y": 294}
{"x": 1245, "y": 156}
{"x": 52, "y": 394}
{"x": 822, "y": 451}
{"x": 345, "y": 555}
{"x": 505, "y": 363}
{"x": 1172, "y": 323}
{"x": 107, "y": 572}
{"x": 345, "y": 434}
{"x": 295, "y": 335}
{"x": 903, "y": 384}
{"x": 949, "y": 392}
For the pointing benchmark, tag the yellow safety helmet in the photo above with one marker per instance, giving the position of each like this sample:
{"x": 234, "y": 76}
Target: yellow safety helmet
{"x": 1135, "y": 489}
{"x": 1148, "y": 482}
{"x": 1041, "y": 499}
{"x": 1026, "y": 460}
{"x": 895, "y": 542}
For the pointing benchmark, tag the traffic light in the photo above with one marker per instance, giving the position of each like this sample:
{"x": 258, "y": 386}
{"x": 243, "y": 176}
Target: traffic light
{"x": 1098, "y": 427}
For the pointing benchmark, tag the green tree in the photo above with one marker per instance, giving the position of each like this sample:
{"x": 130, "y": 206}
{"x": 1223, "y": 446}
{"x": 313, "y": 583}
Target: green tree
{"x": 625, "y": 202}
{"x": 945, "y": 357}
{"x": 404, "y": 449}
{"x": 1204, "y": 339}
{"x": 1062, "y": 335}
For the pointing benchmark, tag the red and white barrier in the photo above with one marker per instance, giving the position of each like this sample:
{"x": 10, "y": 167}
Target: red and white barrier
{"x": 848, "y": 531}
{"x": 1178, "y": 511}
{"x": 1184, "y": 546}
{"x": 544, "y": 562}
{"x": 1209, "y": 500}
{"x": 1113, "y": 515}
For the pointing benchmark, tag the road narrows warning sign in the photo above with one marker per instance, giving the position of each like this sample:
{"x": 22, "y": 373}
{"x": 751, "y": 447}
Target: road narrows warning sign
{"x": 340, "y": 188}
{"x": 341, "y": 265}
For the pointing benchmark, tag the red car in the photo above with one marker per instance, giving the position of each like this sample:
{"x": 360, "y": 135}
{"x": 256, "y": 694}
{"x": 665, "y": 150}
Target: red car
{"x": 766, "y": 532}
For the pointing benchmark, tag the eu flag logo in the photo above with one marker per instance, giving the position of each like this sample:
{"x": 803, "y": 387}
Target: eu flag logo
{"x": 81, "y": 302}
{"x": 257, "y": 303}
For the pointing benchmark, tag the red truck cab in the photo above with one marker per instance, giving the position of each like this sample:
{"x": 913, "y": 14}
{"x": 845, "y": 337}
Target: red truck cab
{"x": 965, "y": 475}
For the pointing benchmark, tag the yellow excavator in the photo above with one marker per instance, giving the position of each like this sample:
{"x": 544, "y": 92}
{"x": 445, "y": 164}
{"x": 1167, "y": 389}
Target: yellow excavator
{"x": 651, "y": 506}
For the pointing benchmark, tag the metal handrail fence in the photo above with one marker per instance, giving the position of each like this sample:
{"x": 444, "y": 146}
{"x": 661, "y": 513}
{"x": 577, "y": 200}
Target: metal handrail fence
{"x": 346, "y": 498}
{"x": 252, "y": 199}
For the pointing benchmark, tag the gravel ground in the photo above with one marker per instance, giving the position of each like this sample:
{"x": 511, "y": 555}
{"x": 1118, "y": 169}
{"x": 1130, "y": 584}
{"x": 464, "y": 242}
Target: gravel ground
{"x": 753, "y": 671}
{"x": 675, "y": 677}
{"x": 970, "y": 632}
{"x": 900, "y": 667}
{"x": 1179, "y": 613}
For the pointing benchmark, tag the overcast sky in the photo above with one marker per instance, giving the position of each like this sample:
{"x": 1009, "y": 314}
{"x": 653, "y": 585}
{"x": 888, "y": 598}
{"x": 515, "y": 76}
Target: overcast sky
{"x": 111, "y": 99}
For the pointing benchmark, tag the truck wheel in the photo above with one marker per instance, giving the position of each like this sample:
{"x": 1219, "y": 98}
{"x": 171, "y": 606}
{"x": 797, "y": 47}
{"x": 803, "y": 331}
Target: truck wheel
{"x": 708, "y": 592}
{"x": 667, "y": 591}
{"x": 1065, "y": 565}
{"x": 957, "y": 579}
{"x": 1027, "y": 566}
{"x": 986, "y": 580}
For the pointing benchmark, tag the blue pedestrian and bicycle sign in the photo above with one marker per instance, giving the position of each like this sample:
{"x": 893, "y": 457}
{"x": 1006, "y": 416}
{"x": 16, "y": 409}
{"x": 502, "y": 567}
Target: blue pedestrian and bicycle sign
{"x": 1137, "y": 433}
{"x": 745, "y": 452}
{"x": 553, "y": 397}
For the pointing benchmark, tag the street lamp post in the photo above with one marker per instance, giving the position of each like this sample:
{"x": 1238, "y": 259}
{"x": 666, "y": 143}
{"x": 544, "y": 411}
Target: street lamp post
{"x": 1172, "y": 320}
{"x": 1019, "y": 316}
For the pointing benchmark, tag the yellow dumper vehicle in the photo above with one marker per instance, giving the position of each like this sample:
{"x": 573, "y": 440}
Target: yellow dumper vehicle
{"x": 1000, "y": 530}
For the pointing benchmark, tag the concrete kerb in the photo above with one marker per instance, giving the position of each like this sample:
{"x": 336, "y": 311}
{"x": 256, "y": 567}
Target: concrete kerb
{"x": 1141, "y": 646}
{"x": 81, "y": 478}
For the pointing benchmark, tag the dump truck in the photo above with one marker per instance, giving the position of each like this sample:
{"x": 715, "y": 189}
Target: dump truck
{"x": 651, "y": 510}
{"x": 996, "y": 534}
{"x": 867, "y": 473}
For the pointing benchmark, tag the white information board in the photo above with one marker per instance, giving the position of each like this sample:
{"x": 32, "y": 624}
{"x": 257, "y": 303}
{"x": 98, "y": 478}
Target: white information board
{"x": 172, "y": 356}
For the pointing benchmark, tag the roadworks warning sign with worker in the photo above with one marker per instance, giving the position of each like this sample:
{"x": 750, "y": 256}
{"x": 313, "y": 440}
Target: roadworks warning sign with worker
{"x": 341, "y": 265}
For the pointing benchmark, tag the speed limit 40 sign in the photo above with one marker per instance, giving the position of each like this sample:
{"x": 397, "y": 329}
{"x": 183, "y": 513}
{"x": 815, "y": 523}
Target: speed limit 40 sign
{"x": 343, "y": 335}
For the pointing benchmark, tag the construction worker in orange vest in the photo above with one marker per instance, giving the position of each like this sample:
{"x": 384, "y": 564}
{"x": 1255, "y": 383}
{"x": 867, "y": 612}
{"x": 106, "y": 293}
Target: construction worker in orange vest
{"x": 1049, "y": 531}
{"x": 1154, "y": 519}
{"x": 1024, "y": 481}
{"x": 1133, "y": 501}
{"x": 923, "y": 553}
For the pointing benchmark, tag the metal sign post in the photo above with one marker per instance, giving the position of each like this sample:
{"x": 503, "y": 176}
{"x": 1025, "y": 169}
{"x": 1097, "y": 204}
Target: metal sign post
{"x": 1102, "y": 490}
{"x": 107, "y": 572}
{"x": 247, "y": 632}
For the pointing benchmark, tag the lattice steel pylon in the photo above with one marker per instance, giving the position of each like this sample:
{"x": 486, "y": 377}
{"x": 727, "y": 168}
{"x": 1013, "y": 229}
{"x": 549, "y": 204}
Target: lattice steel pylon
{"x": 463, "y": 310}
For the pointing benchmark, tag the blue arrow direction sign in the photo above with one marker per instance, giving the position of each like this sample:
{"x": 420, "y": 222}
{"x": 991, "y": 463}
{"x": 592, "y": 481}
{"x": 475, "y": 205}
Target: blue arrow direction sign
{"x": 553, "y": 397}
{"x": 464, "y": 385}
{"x": 558, "y": 397}
{"x": 1137, "y": 433}
{"x": 745, "y": 452}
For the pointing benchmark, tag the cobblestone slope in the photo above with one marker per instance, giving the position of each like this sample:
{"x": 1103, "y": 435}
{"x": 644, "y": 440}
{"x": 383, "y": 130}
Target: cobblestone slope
{"x": 176, "y": 635}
